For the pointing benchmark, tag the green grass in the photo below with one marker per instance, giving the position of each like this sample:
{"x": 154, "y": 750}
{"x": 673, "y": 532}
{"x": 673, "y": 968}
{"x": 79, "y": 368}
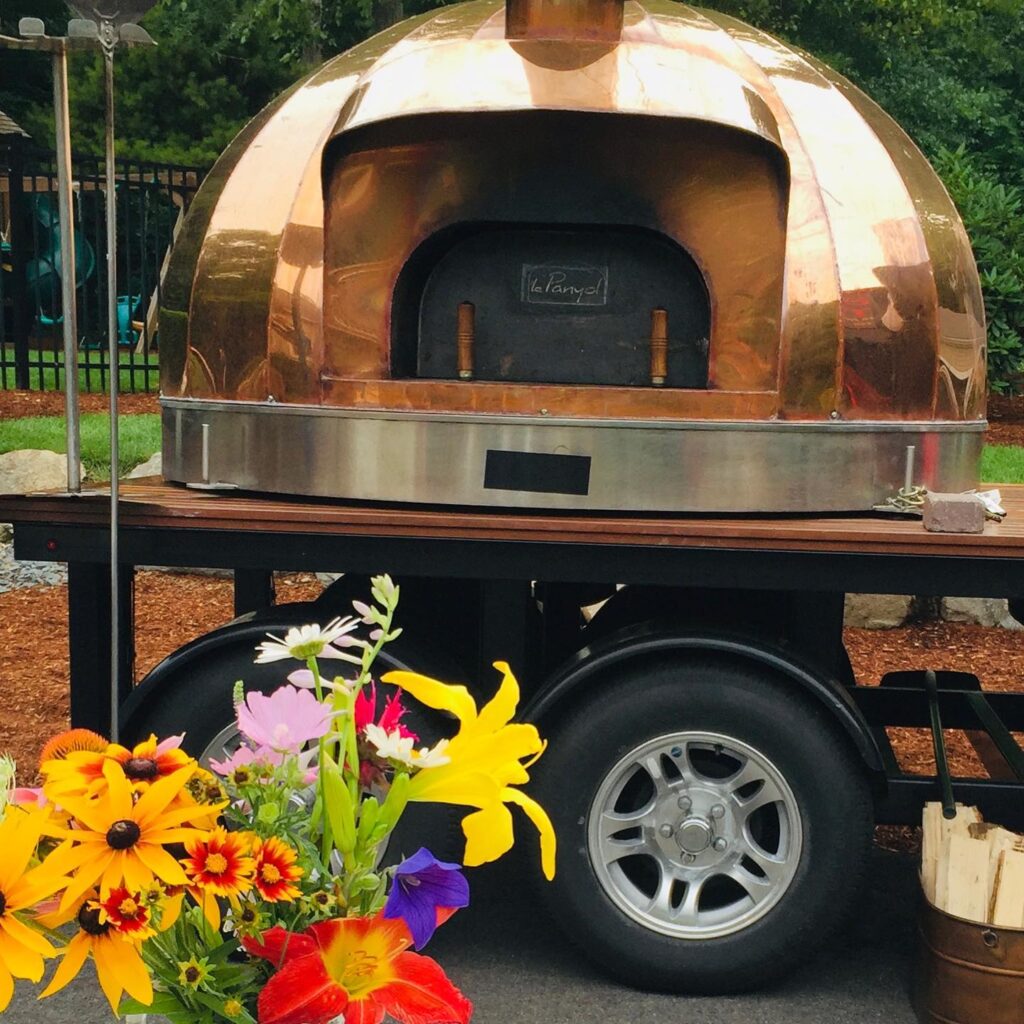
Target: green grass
{"x": 139, "y": 438}
{"x": 1002, "y": 464}
{"x": 52, "y": 381}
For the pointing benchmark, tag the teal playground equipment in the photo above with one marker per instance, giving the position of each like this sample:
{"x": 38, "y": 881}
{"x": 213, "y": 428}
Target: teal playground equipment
{"x": 43, "y": 274}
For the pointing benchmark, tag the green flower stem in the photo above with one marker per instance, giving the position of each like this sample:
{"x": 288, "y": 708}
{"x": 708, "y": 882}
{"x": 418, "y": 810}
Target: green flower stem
{"x": 327, "y": 843}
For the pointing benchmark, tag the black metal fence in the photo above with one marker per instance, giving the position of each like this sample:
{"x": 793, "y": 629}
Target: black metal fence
{"x": 151, "y": 202}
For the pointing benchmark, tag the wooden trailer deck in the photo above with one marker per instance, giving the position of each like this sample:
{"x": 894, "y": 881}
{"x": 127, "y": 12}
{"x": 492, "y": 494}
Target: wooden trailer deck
{"x": 151, "y": 504}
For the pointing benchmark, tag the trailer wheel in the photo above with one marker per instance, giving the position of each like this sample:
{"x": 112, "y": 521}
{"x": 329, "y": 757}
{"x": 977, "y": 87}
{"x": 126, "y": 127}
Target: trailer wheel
{"x": 713, "y": 825}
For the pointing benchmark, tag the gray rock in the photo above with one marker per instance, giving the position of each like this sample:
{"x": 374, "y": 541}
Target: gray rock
{"x": 954, "y": 513}
{"x": 877, "y": 611}
{"x": 32, "y": 469}
{"x": 151, "y": 467}
{"x": 981, "y": 611}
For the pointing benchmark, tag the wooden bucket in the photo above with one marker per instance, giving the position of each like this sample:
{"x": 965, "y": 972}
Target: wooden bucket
{"x": 968, "y": 973}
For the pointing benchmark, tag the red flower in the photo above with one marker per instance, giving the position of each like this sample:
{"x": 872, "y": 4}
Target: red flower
{"x": 390, "y": 717}
{"x": 127, "y": 913}
{"x": 359, "y": 966}
{"x": 275, "y": 870}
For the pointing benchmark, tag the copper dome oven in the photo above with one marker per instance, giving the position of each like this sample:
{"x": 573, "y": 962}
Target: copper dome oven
{"x": 574, "y": 255}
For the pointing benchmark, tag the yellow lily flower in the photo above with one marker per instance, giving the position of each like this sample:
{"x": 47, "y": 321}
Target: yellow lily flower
{"x": 486, "y": 758}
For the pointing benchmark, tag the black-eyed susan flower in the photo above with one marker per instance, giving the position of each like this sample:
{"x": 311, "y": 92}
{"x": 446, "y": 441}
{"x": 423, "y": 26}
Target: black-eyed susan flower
{"x": 119, "y": 840}
{"x": 275, "y": 870}
{"x": 80, "y": 771}
{"x": 119, "y": 965}
{"x": 218, "y": 864}
{"x": 21, "y": 948}
{"x": 194, "y": 972}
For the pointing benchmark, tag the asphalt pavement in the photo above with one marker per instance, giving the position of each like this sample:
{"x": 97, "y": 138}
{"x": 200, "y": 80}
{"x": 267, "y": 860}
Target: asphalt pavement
{"x": 513, "y": 963}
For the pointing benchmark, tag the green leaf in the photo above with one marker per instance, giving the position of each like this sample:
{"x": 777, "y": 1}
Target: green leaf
{"x": 340, "y": 811}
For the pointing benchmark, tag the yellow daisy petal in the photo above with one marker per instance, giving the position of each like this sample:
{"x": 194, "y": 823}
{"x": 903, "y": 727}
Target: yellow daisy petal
{"x": 158, "y": 796}
{"x": 161, "y": 863}
{"x": 21, "y": 962}
{"x": 133, "y": 973}
{"x": 108, "y": 971}
{"x": 25, "y": 936}
{"x": 74, "y": 955}
{"x": 6, "y": 988}
{"x": 87, "y": 875}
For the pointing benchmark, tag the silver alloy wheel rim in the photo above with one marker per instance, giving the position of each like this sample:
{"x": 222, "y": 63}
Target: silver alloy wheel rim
{"x": 694, "y": 835}
{"x": 222, "y": 746}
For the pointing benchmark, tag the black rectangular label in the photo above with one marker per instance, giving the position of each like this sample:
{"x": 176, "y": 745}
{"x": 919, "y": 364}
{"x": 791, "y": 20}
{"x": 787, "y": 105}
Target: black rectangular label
{"x": 550, "y": 285}
{"x": 540, "y": 473}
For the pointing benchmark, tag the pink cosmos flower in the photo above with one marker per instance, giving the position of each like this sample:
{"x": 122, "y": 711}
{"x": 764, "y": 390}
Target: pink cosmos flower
{"x": 283, "y": 721}
{"x": 245, "y": 756}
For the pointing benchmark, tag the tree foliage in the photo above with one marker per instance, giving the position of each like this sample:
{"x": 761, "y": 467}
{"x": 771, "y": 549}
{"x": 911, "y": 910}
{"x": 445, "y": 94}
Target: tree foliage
{"x": 950, "y": 71}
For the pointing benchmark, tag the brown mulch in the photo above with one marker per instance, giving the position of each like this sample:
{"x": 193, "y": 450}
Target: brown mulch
{"x": 14, "y": 404}
{"x": 34, "y": 653}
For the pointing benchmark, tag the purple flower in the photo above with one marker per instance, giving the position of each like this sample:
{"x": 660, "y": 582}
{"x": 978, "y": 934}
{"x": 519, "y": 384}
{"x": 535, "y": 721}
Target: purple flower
{"x": 424, "y": 885}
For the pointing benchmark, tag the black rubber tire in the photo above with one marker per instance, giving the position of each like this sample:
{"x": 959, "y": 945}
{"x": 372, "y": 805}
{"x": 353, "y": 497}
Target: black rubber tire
{"x": 199, "y": 703}
{"x": 828, "y": 780}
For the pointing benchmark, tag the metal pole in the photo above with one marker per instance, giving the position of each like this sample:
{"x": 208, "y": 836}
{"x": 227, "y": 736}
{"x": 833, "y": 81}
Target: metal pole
{"x": 111, "y": 182}
{"x": 67, "y": 264}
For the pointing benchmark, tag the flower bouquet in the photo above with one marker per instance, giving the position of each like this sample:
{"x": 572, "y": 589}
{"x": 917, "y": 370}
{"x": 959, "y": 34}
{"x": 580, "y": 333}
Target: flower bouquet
{"x": 255, "y": 889}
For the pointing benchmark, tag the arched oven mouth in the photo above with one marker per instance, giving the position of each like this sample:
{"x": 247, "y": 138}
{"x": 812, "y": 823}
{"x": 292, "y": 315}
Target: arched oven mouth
{"x": 552, "y": 303}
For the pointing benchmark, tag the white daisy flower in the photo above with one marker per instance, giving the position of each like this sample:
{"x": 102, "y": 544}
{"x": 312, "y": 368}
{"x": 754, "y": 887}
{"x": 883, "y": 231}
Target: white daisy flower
{"x": 393, "y": 746}
{"x": 305, "y": 642}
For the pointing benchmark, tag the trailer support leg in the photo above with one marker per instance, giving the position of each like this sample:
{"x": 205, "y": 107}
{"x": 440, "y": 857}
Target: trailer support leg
{"x": 89, "y": 640}
{"x": 254, "y": 590}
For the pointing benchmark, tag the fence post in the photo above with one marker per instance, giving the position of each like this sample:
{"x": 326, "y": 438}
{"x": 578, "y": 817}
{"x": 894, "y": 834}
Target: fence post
{"x": 23, "y": 317}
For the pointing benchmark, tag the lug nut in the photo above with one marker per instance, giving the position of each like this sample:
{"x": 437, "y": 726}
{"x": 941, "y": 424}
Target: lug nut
{"x": 688, "y": 858}
{"x": 685, "y": 803}
{"x": 666, "y": 830}
{"x": 720, "y": 844}
{"x": 718, "y": 811}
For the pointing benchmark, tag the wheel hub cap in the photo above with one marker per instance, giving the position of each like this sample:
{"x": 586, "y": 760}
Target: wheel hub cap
{"x": 694, "y": 835}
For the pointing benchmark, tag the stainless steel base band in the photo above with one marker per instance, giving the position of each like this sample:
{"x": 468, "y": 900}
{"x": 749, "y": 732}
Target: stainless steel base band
{"x": 516, "y": 462}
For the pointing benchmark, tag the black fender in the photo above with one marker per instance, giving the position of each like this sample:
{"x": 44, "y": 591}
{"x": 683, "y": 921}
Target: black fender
{"x": 591, "y": 664}
{"x": 243, "y": 634}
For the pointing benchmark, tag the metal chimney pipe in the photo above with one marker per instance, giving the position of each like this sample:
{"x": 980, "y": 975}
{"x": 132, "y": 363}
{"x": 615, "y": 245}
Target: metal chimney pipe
{"x": 582, "y": 20}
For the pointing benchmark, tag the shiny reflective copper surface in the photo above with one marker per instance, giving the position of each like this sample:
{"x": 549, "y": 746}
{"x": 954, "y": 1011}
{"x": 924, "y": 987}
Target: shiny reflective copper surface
{"x": 968, "y": 973}
{"x": 574, "y": 20}
{"x": 842, "y": 282}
